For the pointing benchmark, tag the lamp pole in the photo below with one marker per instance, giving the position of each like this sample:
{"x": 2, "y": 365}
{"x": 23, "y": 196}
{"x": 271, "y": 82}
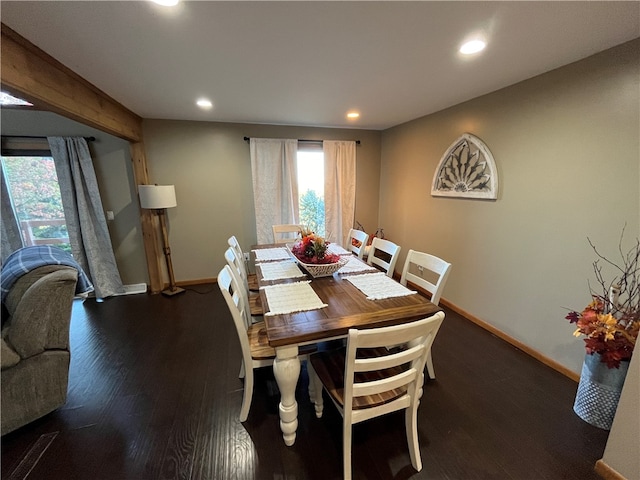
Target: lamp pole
{"x": 173, "y": 289}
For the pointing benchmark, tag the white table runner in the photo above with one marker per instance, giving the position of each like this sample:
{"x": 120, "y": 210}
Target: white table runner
{"x": 292, "y": 297}
{"x": 355, "y": 265}
{"x": 279, "y": 270}
{"x": 377, "y": 286}
{"x": 271, "y": 254}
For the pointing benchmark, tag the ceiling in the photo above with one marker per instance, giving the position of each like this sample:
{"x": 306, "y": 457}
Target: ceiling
{"x": 309, "y": 62}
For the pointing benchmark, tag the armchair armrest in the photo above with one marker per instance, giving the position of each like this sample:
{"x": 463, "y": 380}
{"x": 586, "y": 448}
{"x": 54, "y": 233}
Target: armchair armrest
{"x": 8, "y": 357}
{"x": 40, "y": 318}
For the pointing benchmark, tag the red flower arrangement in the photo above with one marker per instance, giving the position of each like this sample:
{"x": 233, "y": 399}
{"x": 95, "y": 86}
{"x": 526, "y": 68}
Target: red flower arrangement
{"x": 312, "y": 249}
{"x": 612, "y": 320}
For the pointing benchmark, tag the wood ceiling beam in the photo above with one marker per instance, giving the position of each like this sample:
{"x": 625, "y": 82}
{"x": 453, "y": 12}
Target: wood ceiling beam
{"x": 36, "y": 76}
{"x": 33, "y": 75}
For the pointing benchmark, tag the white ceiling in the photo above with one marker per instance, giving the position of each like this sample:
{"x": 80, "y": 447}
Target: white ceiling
{"x": 308, "y": 62}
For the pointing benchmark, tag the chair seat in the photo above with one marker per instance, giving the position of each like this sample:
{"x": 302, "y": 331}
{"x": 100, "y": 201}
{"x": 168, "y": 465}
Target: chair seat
{"x": 255, "y": 304}
{"x": 252, "y": 279}
{"x": 259, "y": 343}
{"x": 329, "y": 366}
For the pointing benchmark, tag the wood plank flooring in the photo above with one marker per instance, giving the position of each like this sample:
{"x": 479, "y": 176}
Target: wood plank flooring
{"x": 154, "y": 394}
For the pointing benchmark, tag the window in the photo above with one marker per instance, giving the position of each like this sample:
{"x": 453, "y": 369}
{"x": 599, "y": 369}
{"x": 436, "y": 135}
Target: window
{"x": 311, "y": 190}
{"x": 33, "y": 186}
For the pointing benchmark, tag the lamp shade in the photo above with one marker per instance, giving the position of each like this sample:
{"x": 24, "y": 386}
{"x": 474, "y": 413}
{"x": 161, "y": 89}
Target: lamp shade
{"x": 157, "y": 196}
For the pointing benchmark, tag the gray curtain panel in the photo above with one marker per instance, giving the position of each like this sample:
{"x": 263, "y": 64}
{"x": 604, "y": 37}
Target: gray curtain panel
{"x": 9, "y": 229}
{"x": 86, "y": 223}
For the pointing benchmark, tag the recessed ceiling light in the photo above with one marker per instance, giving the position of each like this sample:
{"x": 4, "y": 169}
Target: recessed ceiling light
{"x": 166, "y": 3}
{"x": 353, "y": 115}
{"x": 473, "y": 46}
{"x": 204, "y": 103}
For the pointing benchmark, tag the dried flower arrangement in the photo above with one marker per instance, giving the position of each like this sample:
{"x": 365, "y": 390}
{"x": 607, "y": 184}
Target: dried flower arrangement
{"x": 612, "y": 320}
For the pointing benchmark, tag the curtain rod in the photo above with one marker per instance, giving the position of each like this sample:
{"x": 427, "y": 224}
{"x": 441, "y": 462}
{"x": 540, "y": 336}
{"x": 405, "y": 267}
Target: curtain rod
{"x": 246, "y": 139}
{"x": 88, "y": 139}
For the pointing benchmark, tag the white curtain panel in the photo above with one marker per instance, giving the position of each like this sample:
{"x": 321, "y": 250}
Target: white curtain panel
{"x": 274, "y": 168}
{"x": 84, "y": 215}
{"x": 339, "y": 188}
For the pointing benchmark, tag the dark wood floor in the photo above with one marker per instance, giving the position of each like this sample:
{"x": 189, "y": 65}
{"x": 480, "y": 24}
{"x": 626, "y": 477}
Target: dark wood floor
{"x": 154, "y": 393}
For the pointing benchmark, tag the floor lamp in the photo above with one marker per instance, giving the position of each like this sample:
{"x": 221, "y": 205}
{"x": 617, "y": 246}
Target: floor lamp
{"x": 159, "y": 198}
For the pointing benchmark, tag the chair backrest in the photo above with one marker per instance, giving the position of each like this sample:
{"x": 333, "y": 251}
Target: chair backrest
{"x": 432, "y": 273}
{"x": 232, "y": 293}
{"x": 233, "y": 243}
{"x": 384, "y": 254}
{"x": 387, "y": 380}
{"x": 285, "y": 233}
{"x": 237, "y": 249}
{"x": 236, "y": 266}
{"x": 357, "y": 241}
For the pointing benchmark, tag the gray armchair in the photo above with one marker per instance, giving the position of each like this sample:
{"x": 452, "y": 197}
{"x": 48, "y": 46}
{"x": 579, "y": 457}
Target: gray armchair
{"x": 35, "y": 344}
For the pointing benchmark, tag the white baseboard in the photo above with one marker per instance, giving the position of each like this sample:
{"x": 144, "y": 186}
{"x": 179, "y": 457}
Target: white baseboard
{"x": 134, "y": 288}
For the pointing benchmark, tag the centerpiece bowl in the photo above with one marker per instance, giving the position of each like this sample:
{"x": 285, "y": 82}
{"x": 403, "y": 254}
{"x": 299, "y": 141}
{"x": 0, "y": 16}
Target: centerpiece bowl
{"x": 324, "y": 266}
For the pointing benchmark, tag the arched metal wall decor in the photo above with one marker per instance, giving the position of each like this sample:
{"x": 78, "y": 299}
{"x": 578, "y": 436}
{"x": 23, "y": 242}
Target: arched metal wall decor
{"x": 466, "y": 170}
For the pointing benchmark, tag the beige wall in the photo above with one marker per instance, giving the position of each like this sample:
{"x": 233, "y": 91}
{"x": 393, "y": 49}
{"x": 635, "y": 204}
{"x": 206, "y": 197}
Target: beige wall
{"x": 112, "y": 162}
{"x": 210, "y": 166}
{"x": 566, "y": 145}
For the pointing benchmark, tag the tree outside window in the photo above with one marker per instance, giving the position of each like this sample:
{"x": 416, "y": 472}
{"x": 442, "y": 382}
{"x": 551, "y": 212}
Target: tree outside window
{"x": 35, "y": 194}
{"x": 311, "y": 190}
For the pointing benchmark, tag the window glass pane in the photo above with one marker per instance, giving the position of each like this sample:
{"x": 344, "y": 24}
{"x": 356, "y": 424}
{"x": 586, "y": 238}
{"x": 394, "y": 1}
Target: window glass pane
{"x": 35, "y": 194}
{"x": 311, "y": 190}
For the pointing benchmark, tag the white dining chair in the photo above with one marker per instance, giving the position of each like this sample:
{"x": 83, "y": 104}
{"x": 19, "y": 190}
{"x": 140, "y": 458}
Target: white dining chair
{"x": 357, "y": 242}
{"x": 366, "y": 380}
{"x": 383, "y": 254}
{"x": 285, "y": 233}
{"x": 429, "y": 273}
{"x": 252, "y": 299}
{"x": 252, "y": 280}
{"x": 256, "y": 351}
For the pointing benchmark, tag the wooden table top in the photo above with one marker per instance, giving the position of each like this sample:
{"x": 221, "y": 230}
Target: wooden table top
{"x": 347, "y": 308}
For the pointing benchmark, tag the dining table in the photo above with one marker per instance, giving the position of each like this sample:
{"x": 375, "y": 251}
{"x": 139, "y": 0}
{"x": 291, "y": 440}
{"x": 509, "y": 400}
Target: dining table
{"x": 302, "y": 310}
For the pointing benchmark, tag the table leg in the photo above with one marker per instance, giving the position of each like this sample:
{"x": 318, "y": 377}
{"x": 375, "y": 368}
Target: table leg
{"x": 286, "y": 368}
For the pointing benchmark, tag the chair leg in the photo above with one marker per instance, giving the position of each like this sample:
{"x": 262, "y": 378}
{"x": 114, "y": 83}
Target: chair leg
{"x": 312, "y": 389}
{"x": 411, "y": 426}
{"x": 432, "y": 373}
{"x": 315, "y": 390}
{"x": 247, "y": 395}
{"x": 346, "y": 449}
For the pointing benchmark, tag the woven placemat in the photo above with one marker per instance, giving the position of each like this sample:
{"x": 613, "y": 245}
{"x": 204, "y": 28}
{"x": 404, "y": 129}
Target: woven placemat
{"x": 377, "y": 286}
{"x": 280, "y": 270}
{"x": 292, "y": 297}
{"x": 356, "y": 265}
{"x": 337, "y": 249}
{"x": 271, "y": 254}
